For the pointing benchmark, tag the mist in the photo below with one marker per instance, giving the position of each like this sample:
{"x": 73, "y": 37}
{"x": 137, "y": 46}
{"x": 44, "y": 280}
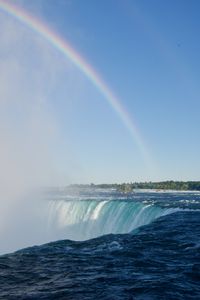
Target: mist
{"x": 30, "y": 133}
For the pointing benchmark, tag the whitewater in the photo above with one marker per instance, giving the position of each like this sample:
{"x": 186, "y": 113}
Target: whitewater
{"x": 89, "y": 218}
{"x": 99, "y": 243}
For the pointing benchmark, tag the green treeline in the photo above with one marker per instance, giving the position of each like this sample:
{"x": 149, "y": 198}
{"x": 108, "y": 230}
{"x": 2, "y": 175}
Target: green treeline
{"x": 163, "y": 185}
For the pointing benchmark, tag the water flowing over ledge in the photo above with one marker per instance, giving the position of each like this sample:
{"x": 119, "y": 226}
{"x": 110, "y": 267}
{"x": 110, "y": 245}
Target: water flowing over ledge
{"x": 86, "y": 219}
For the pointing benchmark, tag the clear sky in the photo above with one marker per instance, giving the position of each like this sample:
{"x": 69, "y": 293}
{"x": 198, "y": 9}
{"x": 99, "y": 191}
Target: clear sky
{"x": 147, "y": 52}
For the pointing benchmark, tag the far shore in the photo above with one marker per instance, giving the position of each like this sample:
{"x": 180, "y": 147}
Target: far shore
{"x": 162, "y": 186}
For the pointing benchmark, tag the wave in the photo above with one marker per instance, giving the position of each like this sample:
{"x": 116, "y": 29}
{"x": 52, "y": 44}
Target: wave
{"x": 86, "y": 219}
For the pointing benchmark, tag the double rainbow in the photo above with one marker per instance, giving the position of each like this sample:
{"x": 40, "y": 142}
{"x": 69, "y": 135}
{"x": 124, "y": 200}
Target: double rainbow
{"x": 69, "y": 52}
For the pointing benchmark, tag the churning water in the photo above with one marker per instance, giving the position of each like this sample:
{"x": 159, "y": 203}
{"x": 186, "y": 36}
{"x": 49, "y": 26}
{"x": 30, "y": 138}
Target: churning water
{"x": 110, "y": 246}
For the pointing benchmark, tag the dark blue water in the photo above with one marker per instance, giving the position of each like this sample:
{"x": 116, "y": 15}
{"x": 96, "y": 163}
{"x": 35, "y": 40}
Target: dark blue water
{"x": 154, "y": 252}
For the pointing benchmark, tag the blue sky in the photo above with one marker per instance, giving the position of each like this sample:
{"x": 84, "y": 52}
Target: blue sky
{"x": 148, "y": 54}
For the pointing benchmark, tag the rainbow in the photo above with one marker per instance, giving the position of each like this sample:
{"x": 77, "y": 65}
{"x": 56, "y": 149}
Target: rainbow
{"x": 67, "y": 50}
